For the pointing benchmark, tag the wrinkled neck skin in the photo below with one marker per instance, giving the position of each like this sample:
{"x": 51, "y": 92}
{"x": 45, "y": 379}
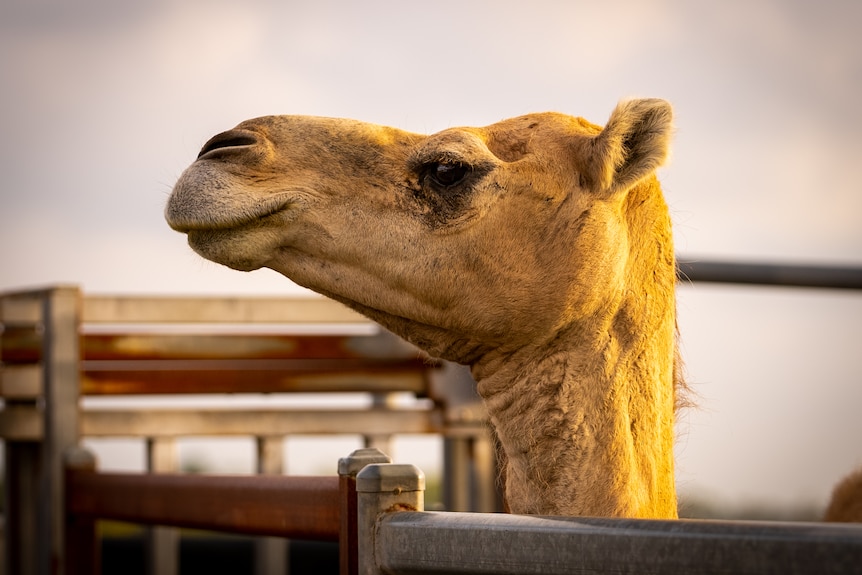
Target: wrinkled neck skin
{"x": 586, "y": 422}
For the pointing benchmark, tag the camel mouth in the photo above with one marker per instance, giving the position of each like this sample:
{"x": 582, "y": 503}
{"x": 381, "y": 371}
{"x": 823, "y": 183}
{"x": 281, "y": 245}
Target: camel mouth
{"x": 185, "y": 220}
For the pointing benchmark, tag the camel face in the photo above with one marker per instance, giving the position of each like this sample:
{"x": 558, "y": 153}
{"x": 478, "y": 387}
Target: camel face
{"x": 462, "y": 241}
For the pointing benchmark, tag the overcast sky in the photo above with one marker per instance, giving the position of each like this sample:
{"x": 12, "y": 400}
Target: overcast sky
{"x": 104, "y": 104}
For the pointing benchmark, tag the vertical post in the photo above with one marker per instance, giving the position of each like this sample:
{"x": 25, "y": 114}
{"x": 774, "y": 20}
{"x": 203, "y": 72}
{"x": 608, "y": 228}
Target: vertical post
{"x": 61, "y": 313}
{"x": 270, "y": 553}
{"x": 470, "y": 478}
{"x": 382, "y": 488}
{"x": 456, "y": 480}
{"x": 348, "y": 467}
{"x": 82, "y": 556}
{"x": 163, "y": 543}
{"x": 382, "y": 442}
{"x": 22, "y": 472}
{"x": 485, "y": 485}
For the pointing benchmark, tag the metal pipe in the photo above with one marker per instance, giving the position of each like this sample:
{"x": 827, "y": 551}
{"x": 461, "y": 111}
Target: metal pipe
{"x": 835, "y": 277}
{"x": 425, "y": 543}
{"x": 281, "y": 506}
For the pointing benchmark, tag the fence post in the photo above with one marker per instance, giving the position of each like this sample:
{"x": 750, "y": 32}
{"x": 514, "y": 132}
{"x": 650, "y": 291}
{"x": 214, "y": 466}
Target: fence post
{"x": 348, "y": 467}
{"x": 270, "y": 553}
{"x": 382, "y": 488}
{"x": 82, "y": 554}
{"x": 61, "y": 318}
{"x": 163, "y": 543}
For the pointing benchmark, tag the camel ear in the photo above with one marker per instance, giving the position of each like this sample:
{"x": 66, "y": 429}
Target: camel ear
{"x": 632, "y": 145}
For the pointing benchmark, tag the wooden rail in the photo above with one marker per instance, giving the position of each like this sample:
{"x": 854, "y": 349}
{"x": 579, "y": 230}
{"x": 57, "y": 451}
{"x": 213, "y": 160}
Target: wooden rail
{"x": 58, "y": 345}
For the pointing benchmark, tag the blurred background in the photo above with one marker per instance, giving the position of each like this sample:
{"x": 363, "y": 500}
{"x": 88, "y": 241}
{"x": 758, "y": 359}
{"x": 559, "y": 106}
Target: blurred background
{"x": 103, "y": 104}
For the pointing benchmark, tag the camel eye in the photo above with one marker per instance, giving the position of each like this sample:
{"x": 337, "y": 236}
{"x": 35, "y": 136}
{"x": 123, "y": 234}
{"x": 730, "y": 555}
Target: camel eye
{"x": 447, "y": 175}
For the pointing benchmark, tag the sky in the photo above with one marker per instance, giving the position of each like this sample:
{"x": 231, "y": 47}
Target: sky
{"x": 105, "y": 103}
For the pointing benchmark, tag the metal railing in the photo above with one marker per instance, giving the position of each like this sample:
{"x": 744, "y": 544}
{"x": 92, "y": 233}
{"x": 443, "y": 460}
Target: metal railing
{"x": 58, "y": 345}
{"x": 790, "y": 275}
{"x": 411, "y": 541}
{"x": 374, "y": 509}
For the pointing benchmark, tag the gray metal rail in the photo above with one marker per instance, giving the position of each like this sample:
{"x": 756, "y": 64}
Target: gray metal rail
{"x": 419, "y": 543}
{"x": 814, "y": 276}
{"x": 412, "y": 542}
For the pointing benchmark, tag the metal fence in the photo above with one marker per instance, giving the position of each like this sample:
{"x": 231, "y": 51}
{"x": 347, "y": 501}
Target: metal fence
{"x": 41, "y": 354}
{"x": 415, "y": 542}
{"x": 58, "y": 345}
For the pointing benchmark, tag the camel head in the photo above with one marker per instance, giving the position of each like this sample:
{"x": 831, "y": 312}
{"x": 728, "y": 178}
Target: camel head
{"x": 464, "y": 241}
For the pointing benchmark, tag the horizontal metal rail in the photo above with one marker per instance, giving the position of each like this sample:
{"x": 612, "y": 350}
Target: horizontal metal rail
{"x": 418, "y": 543}
{"x": 25, "y": 422}
{"x": 281, "y": 506}
{"x": 22, "y": 343}
{"x": 26, "y": 306}
{"x": 834, "y": 277}
{"x": 119, "y": 364}
{"x": 258, "y": 422}
{"x": 250, "y": 376}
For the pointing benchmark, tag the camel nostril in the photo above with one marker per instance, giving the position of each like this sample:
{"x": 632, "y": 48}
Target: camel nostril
{"x": 230, "y": 139}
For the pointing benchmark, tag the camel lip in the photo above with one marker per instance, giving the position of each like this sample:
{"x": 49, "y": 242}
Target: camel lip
{"x": 179, "y": 219}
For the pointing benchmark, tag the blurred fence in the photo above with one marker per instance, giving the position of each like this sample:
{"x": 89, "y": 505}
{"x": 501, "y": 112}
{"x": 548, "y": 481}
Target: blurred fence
{"x": 51, "y": 357}
{"x": 59, "y": 345}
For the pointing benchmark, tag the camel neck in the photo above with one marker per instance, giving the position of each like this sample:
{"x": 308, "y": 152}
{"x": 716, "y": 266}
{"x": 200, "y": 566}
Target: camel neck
{"x": 587, "y": 428}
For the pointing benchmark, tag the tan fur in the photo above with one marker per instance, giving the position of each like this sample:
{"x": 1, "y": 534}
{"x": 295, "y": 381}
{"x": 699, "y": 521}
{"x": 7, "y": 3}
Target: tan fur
{"x": 548, "y": 269}
{"x": 846, "y": 503}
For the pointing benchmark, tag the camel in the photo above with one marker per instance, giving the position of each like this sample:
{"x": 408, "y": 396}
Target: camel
{"x": 845, "y": 505}
{"x": 536, "y": 250}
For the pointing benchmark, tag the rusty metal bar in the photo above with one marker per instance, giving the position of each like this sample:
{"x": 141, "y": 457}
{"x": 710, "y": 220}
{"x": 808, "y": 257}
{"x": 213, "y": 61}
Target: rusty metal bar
{"x": 161, "y": 364}
{"x": 280, "y": 506}
{"x": 835, "y": 277}
{"x": 381, "y": 346}
{"x": 23, "y": 344}
{"x": 251, "y": 376}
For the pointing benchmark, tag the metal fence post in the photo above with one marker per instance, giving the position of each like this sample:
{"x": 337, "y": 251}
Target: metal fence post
{"x": 382, "y": 488}
{"x": 82, "y": 547}
{"x": 270, "y": 553}
{"x": 163, "y": 543}
{"x": 61, "y": 318}
{"x": 348, "y": 467}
